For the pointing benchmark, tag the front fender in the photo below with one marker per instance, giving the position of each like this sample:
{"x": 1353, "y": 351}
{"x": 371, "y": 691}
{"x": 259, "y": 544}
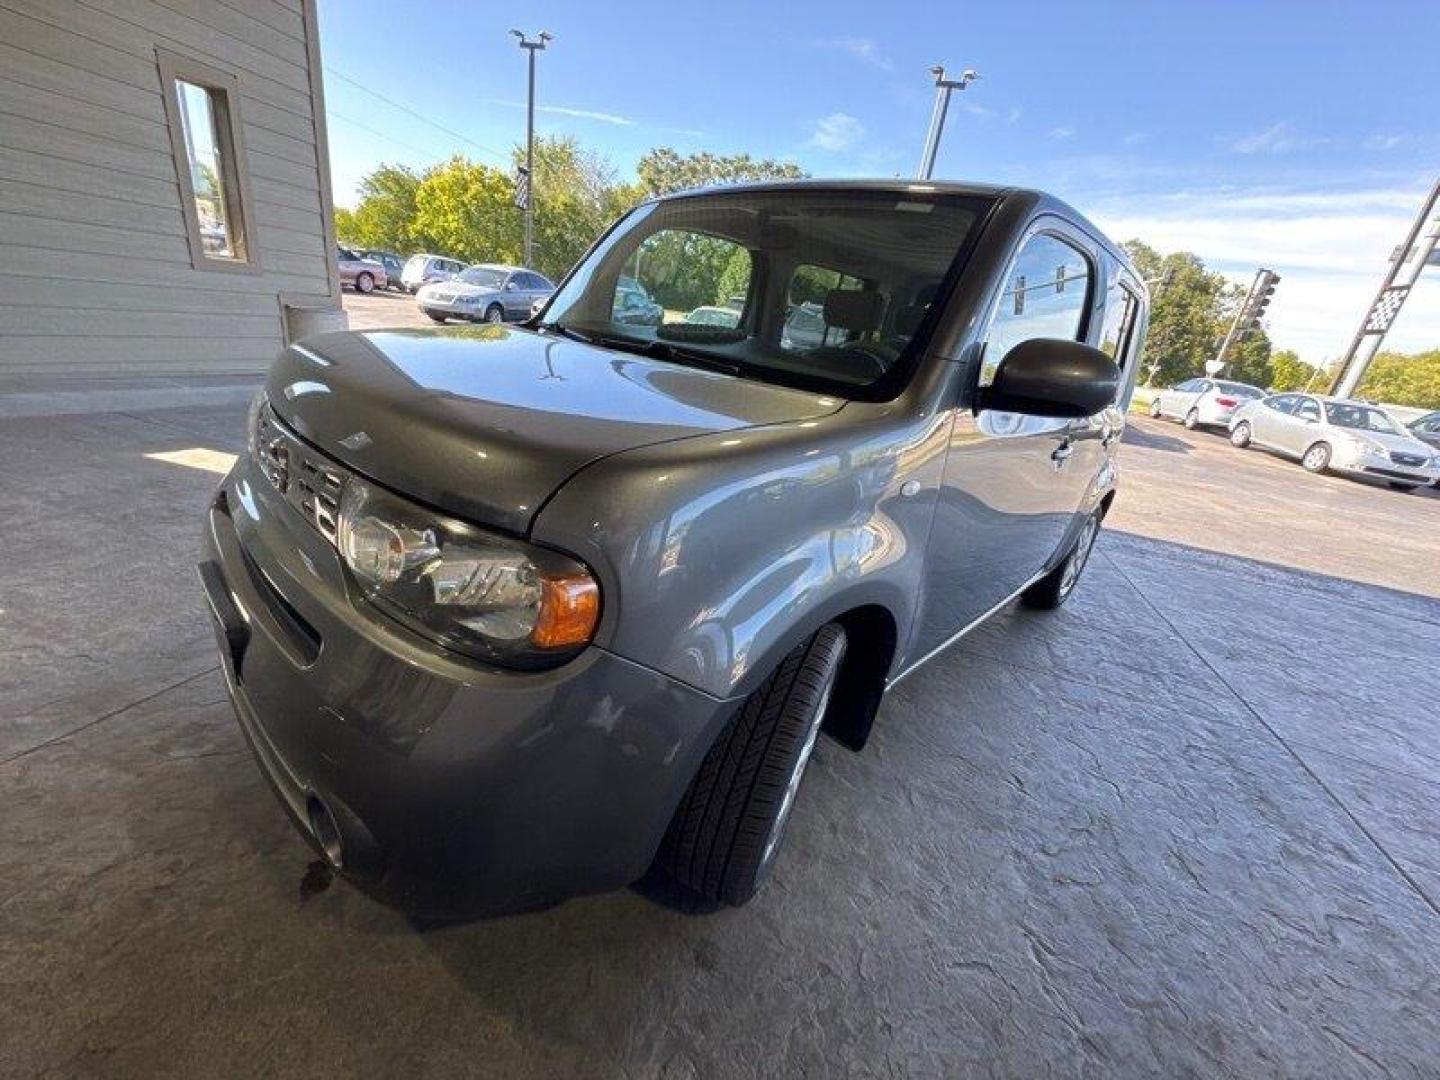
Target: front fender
{"x": 717, "y": 553}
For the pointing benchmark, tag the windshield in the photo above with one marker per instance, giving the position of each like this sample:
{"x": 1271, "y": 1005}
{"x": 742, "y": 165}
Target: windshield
{"x": 1360, "y": 417}
{"x": 1240, "y": 389}
{"x": 483, "y": 275}
{"x": 817, "y": 288}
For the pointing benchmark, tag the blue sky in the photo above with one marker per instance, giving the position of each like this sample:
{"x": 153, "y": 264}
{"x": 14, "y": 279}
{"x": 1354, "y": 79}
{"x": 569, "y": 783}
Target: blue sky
{"x": 1290, "y": 134}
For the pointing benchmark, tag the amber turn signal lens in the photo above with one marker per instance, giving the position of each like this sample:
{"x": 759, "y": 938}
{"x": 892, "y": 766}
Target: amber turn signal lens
{"x": 569, "y": 612}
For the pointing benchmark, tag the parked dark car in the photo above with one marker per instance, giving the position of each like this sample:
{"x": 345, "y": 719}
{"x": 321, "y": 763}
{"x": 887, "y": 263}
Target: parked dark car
{"x": 633, "y": 305}
{"x": 1427, "y": 429}
{"x": 510, "y": 614}
{"x": 393, "y": 264}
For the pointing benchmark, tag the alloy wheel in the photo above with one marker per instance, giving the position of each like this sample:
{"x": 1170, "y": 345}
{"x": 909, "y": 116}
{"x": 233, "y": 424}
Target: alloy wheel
{"x": 1075, "y": 564}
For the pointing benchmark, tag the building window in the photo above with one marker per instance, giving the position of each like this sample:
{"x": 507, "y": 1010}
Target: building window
{"x": 202, "y": 108}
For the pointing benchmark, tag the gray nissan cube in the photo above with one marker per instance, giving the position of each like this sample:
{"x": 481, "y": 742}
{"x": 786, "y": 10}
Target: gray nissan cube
{"x": 510, "y": 614}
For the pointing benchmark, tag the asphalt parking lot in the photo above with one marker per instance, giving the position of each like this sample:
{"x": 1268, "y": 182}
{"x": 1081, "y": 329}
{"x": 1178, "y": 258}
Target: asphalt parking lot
{"x": 1187, "y": 826}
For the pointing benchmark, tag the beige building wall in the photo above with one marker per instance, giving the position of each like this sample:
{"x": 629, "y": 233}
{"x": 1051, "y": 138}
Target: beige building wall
{"x": 100, "y": 268}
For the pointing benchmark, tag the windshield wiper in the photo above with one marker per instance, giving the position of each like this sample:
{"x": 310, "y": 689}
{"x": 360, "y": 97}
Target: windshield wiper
{"x": 664, "y": 350}
{"x": 660, "y": 350}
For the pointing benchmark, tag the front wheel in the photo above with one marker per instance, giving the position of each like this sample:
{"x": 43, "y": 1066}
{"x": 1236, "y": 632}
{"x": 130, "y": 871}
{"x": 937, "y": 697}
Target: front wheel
{"x": 1240, "y": 435}
{"x": 364, "y": 283}
{"x": 1055, "y": 587}
{"x": 1155, "y": 408}
{"x": 494, "y": 314}
{"x": 724, "y": 837}
{"x": 1317, "y": 458}
{"x": 435, "y": 316}
{"x": 1192, "y": 419}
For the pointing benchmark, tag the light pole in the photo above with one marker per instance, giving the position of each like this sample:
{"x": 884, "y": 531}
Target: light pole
{"x": 531, "y": 47}
{"x": 943, "y": 87}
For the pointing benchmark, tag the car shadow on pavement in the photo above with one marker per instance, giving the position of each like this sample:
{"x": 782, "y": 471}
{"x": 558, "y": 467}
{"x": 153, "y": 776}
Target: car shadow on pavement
{"x": 1150, "y": 440}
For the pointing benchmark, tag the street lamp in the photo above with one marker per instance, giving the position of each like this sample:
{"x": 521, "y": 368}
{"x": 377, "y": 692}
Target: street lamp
{"x": 531, "y": 47}
{"x": 943, "y": 87}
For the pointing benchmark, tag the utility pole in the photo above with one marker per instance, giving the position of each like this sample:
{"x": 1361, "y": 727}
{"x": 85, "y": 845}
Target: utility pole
{"x": 943, "y": 88}
{"x": 1405, "y": 267}
{"x": 1247, "y": 318}
{"x": 531, "y": 47}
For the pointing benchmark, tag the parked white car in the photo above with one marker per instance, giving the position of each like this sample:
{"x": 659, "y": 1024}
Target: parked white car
{"x": 423, "y": 269}
{"x": 1333, "y": 434}
{"x": 1203, "y": 402}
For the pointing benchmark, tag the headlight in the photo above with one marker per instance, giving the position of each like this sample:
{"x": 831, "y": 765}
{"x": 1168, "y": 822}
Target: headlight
{"x": 476, "y": 592}
{"x": 1370, "y": 446}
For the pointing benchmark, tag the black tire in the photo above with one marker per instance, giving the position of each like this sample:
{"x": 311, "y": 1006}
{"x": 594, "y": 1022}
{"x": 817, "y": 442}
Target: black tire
{"x": 1058, "y": 585}
{"x": 365, "y": 282}
{"x": 1192, "y": 419}
{"x": 435, "y": 316}
{"x": 1317, "y": 458}
{"x": 724, "y": 836}
{"x": 1155, "y": 409}
{"x": 494, "y": 314}
{"x": 1401, "y": 485}
{"x": 1240, "y": 435}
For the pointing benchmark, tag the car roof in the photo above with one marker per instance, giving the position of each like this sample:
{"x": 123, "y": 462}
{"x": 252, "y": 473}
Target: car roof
{"x": 1043, "y": 202}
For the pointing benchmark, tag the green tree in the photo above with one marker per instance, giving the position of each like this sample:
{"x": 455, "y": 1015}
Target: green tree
{"x": 662, "y": 170}
{"x": 576, "y": 198}
{"x": 1289, "y": 372}
{"x": 467, "y": 210}
{"x": 1398, "y": 379}
{"x": 384, "y": 217}
{"x": 1191, "y": 312}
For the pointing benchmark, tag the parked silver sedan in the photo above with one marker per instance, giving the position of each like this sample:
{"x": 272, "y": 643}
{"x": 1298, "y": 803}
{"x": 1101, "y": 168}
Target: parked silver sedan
{"x": 1333, "y": 434}
{"x": 485, "y": 292}
{"x": 1204, "y": 402}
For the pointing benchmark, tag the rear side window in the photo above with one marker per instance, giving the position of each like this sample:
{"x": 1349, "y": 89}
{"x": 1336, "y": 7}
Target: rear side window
{"x": 1045, "y": 297}
{"x": 1308, "y": 409}
{"x": 1121, "y": 307}
{"x": 1285, "y": 403}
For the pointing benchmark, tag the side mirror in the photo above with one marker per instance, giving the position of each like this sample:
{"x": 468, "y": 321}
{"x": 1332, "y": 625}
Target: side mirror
{"x": 1052, "y": 377}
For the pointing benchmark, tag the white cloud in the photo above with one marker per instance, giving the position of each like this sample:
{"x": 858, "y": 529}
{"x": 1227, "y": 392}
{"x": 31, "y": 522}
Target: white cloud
{"x": 1330, "y": 248}
{"x": 836, "y": 132}
{"x": 1061, "y": 133}
{"x": 566, "y": 110}
{"x": 1014, "y": 114}
{"x": 1135, "y": 138}
{"x": 859, "y": 48}
{"x": 1385, "y": 142}
{"x": 1279, "y": 138}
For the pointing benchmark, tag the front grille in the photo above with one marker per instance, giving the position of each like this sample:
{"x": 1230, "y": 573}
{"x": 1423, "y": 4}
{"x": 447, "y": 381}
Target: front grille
{"x": 306, "y": 479}
{"x": 1413, "y": 460}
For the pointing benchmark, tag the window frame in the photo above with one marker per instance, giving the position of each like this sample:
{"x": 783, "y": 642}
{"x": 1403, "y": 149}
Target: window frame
{"x": 224, "y": 89}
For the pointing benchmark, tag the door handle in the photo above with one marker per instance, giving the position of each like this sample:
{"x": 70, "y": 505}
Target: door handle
{"x": 1061, "y": 453}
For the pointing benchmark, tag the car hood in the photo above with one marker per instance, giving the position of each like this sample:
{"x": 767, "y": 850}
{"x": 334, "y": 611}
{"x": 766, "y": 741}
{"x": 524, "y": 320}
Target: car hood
{"x": 1402, "y": 444}
{"x": 487, "y": 422}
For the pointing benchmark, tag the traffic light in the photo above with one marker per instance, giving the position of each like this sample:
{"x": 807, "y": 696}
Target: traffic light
{"x": 1260, "y": 297}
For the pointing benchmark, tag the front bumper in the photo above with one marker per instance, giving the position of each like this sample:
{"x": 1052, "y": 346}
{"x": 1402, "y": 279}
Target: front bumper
{"x": 457, "y": 789}
{"x": 1382, "y": 467}
{"x": 454, "y": 308}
